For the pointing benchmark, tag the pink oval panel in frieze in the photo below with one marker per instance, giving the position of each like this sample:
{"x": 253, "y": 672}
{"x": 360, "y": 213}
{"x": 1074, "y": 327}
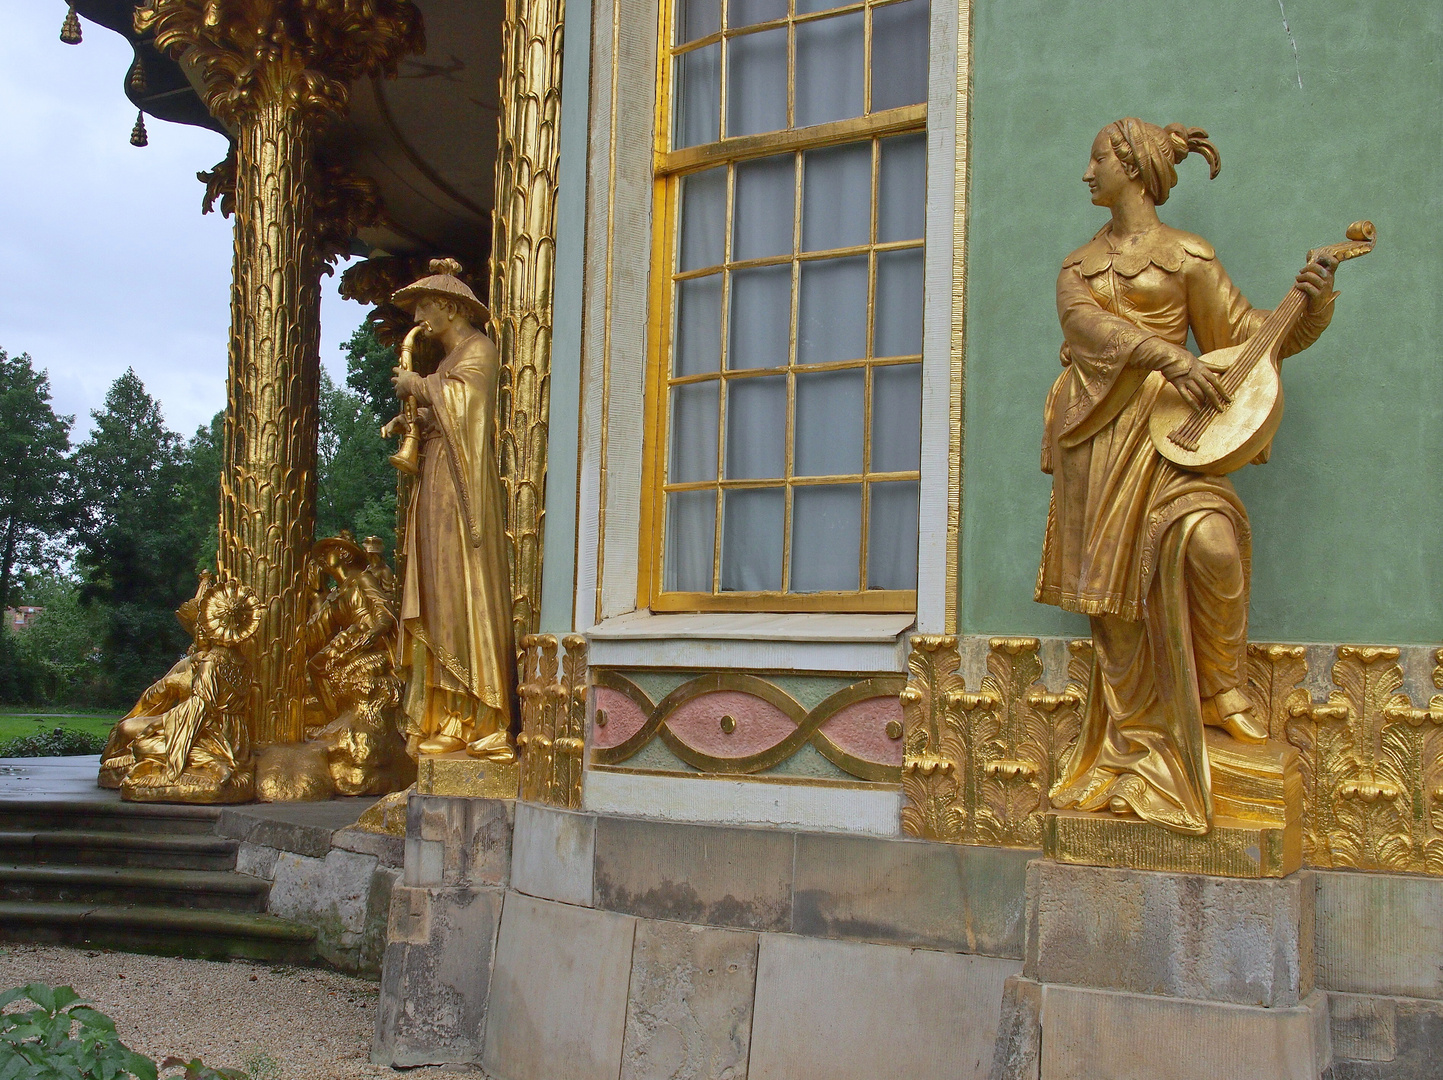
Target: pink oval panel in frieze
{"x": 760, "y": 725}
{"x": 624, "y": 718}
{"x": 861, "y": 729}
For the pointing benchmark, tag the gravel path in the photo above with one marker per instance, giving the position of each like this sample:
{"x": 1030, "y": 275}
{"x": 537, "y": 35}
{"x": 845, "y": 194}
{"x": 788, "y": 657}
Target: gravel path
{"x": 281, "y": 1023}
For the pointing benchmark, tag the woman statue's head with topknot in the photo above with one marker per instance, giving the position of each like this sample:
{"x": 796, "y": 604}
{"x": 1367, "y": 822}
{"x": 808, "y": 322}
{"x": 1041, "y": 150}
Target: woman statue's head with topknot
{"x": 1151, "y": 154}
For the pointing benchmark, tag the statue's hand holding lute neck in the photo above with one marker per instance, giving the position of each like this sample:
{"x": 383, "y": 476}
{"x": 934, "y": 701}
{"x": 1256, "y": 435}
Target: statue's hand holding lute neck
{"x": 1316, "y": 280}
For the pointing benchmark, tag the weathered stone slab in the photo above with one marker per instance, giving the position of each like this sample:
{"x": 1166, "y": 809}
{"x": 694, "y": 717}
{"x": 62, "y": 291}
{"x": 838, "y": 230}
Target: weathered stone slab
{"x": 1245, "y": 941}
{"x": 436, "y": 977}
{"x": 1385, "y": 1038}
{"x": 456, "y": 841}
{"x": 558, "y": 994}
{"x": 303, "y": 827}
{"x": 1018, "y": 1052}
{"x": 689, "y": 1012}
{"x": 1092, "y": 1034}
{"x": 1380, "y": 934}
{"x": 695, "y": 873}
{"x": 910, "y": 892}
{"x": 331, "y": 894}
{"x": 851, "y": 1011}
{"x": 553, "y": 853}
{"x": 256, "y": 861}
{"x": 389, "y": 850}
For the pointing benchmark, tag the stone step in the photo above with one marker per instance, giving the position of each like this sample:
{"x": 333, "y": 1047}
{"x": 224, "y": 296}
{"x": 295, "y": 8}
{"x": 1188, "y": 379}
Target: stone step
{"x": 89, "y": 847}
{"x": 105, "y": 814}
{"x": 211, "y": 890}
{"x": 165, "y": 931}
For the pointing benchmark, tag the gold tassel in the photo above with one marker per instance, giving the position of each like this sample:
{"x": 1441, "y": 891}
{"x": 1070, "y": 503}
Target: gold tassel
{"x": 70, "y": 28}
{"x": 137, "y": 77}
{"x": 138, "y": 137}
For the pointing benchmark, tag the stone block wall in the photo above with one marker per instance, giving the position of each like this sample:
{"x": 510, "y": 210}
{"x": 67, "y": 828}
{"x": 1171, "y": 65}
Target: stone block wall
{"x": 636, "y": 949}
{"x": 336, "y": 879}
{"x": 544, "y": 942}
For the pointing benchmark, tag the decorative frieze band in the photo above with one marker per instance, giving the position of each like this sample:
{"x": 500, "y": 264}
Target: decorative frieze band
{"x": 733, "y": 723}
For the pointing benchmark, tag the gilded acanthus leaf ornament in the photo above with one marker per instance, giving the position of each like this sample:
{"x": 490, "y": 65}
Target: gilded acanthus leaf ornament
{"x": 553, "y": 718}
{"x": 1014, "y": 743}
{"x": 977, "y": 765}
{"x": 299, "y": 54}
{"x": 935, "y": 751}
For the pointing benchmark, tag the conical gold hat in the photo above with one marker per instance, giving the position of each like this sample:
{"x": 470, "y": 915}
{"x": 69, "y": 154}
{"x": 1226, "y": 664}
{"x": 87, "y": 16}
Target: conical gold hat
{"x": 444, "y": 284}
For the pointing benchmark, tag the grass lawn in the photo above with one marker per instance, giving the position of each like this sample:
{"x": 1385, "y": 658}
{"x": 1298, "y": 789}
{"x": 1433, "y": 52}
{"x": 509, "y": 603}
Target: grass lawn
{"x": 15, "y": 723}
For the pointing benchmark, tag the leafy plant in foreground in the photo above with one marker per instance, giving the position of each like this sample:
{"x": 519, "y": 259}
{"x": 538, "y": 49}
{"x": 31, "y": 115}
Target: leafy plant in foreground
{"x": 63, "y": 1039}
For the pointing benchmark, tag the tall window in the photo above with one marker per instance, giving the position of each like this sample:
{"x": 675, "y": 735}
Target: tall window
{"x": 791, "y": 202}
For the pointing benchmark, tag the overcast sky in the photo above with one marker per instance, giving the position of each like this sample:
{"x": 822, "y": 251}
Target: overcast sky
{"x": 105, "y": 259}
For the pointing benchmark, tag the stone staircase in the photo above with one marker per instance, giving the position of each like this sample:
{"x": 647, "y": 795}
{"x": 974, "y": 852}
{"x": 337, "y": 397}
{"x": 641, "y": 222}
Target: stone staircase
{"x": 135, "y": 877}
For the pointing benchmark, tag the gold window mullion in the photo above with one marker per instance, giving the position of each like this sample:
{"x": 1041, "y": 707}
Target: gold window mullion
{"x": 723, "y": 389}
{"x": 867, "y": 66}
{"x": 795, "y": 315}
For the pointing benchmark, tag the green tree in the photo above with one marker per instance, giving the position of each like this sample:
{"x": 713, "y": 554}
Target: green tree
{"x": 35, "y": 493}
{"x": 137, "y": 541}
{"x": 55, "y": 657}
{"x": 355, "y": 485}
{"x": 202, "y": 464}
{"x": 368, "y": 370}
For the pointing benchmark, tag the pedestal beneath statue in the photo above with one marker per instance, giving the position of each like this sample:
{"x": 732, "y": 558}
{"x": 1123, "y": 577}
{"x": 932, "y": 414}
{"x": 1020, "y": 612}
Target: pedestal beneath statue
{"x": 1257, "y": 827}
{"x": 1138, "y": 974}
{"x": 467, "y": 777}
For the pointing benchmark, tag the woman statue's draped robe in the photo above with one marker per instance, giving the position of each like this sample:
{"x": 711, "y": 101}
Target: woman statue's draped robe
{"x": 456, "y": 594}
{"x": 1157, "y": 556}
{"x": 197, "y": 749}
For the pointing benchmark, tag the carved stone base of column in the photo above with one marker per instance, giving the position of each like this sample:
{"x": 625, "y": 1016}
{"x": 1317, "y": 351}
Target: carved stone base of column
{"x": 467, "y": 777}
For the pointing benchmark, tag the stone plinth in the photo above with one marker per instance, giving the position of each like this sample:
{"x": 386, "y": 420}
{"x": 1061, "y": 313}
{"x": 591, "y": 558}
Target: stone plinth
{"x": 1257, "y": 827}
{"x": 1139, "y": 974}
{"x": 467, "y": 777}
{"x": 1248, "y": 848}
{"x": 444, "y": 919}
{"x": 1175, "y": 935}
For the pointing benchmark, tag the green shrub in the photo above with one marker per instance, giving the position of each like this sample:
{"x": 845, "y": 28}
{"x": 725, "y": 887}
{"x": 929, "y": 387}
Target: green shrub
{"x": 62, "y": 1038}
{"x": 59, "y": 742}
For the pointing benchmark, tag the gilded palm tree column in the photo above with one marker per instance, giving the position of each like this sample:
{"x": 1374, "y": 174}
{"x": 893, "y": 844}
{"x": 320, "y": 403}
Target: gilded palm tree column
{"x": 268, "y": 482}
{"x": 522, "y": 275}
{"x": 276, "y": 72}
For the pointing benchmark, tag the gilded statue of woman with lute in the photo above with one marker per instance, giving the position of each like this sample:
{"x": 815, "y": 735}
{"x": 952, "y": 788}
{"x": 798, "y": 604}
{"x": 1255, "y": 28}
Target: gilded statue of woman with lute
{"x": 1145, "y": 533}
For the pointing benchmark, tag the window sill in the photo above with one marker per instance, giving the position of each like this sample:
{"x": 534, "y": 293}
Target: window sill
{"x": 758, "y": 641}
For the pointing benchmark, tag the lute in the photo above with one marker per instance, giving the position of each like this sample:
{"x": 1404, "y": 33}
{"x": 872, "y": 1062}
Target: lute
{"x": 1207, "y": 440}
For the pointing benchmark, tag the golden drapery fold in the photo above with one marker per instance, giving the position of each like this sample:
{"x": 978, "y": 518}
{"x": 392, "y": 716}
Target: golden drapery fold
{"x": 456, "y": 593}
{"x": 1157, "y": 556}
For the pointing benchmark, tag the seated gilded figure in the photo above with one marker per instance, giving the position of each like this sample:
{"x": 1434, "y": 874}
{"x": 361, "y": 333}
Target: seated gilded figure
{"x": 186, "y": 739}
{"x": 350, "y": 637}
{"x": 1154, "y": 551}
{"x": 352, "y": 692}
{"x": 455, "y": 588}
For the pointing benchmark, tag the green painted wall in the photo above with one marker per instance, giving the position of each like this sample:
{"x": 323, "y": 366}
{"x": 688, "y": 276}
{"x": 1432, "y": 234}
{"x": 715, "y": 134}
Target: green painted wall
{"x": 1348, "y": 514}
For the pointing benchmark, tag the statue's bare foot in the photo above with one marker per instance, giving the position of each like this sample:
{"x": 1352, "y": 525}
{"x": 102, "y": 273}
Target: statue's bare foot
{"x": 494, "y": 747}
{"x": 441, "y": 744}
{"x": 1245, "y": 727}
